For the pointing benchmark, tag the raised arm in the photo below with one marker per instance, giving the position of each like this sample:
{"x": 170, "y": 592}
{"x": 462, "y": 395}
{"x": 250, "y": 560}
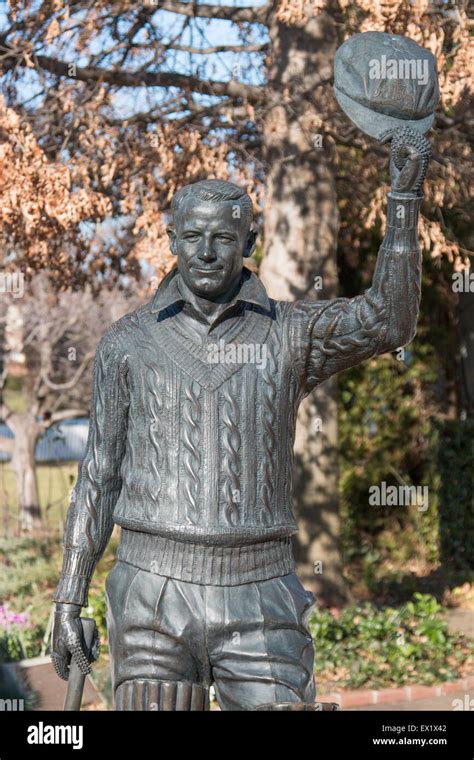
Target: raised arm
{"x": 330, "y": 336}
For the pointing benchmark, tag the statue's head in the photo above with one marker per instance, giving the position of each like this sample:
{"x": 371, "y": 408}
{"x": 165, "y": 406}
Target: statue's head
{"x": 211, "y": 235}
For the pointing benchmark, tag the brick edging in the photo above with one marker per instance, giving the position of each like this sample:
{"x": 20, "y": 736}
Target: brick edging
{"x": 358, "y": 697}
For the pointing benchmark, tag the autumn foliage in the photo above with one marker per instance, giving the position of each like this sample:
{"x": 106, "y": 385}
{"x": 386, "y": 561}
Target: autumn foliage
{"x": 70, "y": 159}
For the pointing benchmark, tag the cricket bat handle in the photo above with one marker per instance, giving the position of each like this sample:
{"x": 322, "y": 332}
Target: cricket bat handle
{"x": 77, "y": 679}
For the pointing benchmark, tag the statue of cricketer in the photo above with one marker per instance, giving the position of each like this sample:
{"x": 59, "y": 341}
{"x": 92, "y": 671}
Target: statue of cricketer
{"x": 190, "y": 451}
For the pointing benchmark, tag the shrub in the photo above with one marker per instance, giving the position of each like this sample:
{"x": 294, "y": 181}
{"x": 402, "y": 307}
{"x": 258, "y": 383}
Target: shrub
{"x": 371, "y": 647}
{"x": 18, "y": 636}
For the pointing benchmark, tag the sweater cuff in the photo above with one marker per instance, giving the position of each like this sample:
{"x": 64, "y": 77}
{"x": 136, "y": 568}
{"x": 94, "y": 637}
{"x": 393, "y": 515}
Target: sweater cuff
{"x": 76, "y": 575}
{"x": 401, "y": 232}
{"x": 403, "y": 210}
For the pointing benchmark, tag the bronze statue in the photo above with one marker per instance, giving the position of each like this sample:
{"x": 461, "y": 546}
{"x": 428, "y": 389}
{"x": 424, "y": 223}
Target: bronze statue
{"x": 190, "y": 451}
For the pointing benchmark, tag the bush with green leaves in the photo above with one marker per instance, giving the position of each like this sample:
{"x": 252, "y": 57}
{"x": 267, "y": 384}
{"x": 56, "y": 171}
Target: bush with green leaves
{"x": 364, "y": 646}
{"x": 400, "y": 421}
{"x": 97, "y": 609}
{"x": 19, "y": 637}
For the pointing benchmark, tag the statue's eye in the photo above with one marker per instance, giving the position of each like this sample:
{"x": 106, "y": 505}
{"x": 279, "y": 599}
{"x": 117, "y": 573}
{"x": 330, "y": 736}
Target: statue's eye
{"x": 225, "y": 239}
{"x": 191, "y": 236}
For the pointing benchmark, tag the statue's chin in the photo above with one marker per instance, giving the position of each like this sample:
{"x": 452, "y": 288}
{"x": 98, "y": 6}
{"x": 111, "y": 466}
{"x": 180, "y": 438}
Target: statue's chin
{"x": 207, "y": 290}
{"x": 207, "y": 285}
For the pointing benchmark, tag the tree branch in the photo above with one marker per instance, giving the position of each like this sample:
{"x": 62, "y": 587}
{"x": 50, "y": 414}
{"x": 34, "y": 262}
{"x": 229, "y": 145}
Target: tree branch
{"x": 5, "y": 412}
{"x": 67, "y": 414}
{"x": 220, "y": 49}
{"x": 3, "y": 375}
{"x": 73, "y": 381}
{"x": 251, "y": 14}
{"x": 139, "y": 79}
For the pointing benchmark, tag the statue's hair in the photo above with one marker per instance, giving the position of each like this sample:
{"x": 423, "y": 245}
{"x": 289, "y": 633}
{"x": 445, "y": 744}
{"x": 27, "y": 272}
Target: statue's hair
{"x": 214, "y": 190}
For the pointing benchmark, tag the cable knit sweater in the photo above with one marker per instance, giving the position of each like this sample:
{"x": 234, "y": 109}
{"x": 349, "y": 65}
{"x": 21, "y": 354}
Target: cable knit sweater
{"x": 190, "y": 445}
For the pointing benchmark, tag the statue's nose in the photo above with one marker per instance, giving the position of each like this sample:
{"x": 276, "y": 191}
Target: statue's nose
{"x": 207, "y": 253}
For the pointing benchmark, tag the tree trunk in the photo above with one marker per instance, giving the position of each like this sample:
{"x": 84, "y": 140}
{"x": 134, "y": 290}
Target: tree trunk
{"x": 300, "y": 238}
{"x": 26, "y": 430}
{"x": 466, "y": 360}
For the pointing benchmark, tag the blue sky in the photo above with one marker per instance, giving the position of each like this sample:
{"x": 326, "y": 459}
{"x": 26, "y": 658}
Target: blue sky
{"x": 202, "y": 33}
{"x": 127, "y": 101}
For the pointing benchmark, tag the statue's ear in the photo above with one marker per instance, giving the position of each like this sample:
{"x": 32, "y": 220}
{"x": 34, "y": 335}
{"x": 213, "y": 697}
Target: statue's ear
{"x": 172, "y": 238}
{"x": 250, "y": 244}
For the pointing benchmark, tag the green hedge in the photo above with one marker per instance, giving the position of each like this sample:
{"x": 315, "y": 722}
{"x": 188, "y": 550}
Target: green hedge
{"x": 455, "y": 462}
{"x": 365, "y": 646}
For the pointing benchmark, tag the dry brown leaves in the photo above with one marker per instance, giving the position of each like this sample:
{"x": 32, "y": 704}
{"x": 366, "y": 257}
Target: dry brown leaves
{"x": 39, "y": 212}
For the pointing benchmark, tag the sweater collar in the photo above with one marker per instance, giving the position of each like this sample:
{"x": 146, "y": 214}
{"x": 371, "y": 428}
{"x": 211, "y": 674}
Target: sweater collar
{"x": 251, "y": 291}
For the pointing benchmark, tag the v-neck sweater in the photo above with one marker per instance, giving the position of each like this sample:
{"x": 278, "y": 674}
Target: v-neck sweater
{"x": 193, "y": 457}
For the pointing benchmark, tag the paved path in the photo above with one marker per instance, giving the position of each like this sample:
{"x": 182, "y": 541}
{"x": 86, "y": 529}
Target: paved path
{"x": 461, "y": 621}
{"x": 435, "y": 703}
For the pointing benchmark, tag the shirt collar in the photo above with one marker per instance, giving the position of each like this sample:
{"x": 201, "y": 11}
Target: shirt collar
{"x": 251, "y": 291}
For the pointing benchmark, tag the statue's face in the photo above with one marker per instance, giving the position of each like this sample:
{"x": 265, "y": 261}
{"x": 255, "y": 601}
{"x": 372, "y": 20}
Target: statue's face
{"x": 210, "y": 244}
